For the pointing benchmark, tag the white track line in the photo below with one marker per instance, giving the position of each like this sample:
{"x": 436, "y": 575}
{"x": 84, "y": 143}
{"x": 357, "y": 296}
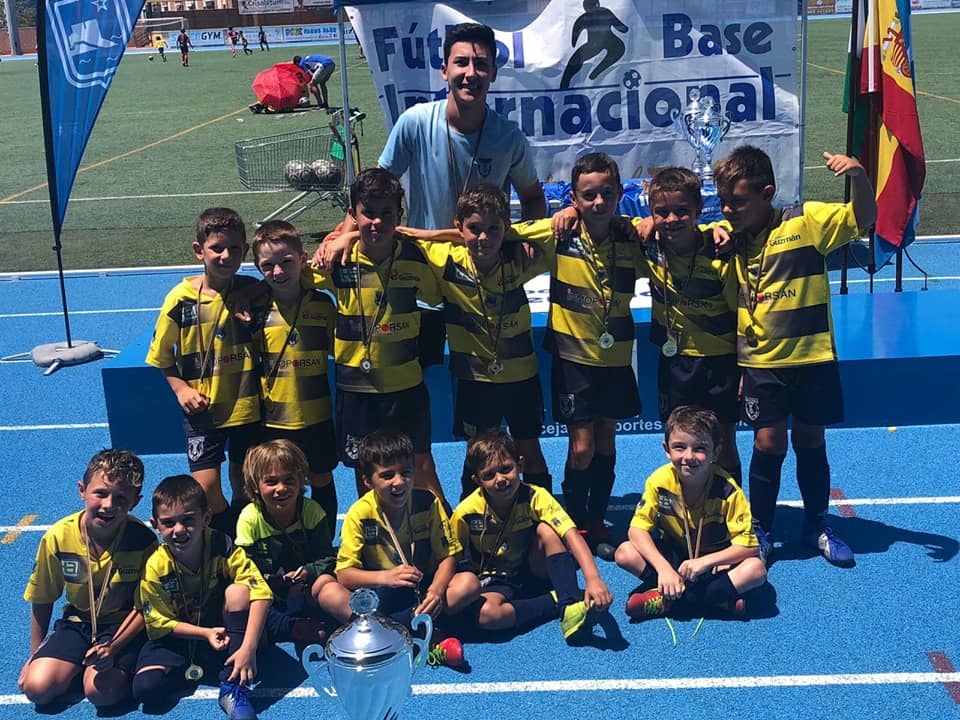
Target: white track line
{"x": 846, "y": 502}
{"x": 64, "y": 426}
{"x": 754, "y": 682}
{"x": 59, "y": 313}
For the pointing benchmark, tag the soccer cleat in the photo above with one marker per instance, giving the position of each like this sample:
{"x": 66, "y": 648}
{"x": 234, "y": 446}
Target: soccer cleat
{"x": 235, "y": 702}
{"x": 649, "y": 604}
{"x": 573, "y": 620}
{"x": 834, "y": 549}
{"x": 448, "y": 652}
{"x": 766, "y": 544}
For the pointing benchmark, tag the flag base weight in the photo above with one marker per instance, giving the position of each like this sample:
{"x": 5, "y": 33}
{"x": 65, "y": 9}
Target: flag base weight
{"x": 53, "y": 356}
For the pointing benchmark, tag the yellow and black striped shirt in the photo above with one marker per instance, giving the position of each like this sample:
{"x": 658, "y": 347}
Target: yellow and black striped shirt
{"x": 62, "y": 566}
{"x": 789, "y": 307}
{"x": 294, "y": 352}
{"x": 393, "y": 334}
{"x": 702, "y": 293}
{"x": 226, "y": 370}
{"x": 365, "y": 541}
{"x": 725, "y": 511}
{"x": 500, "y": 545}
{"x": 585, "y": 278}
{"x": 470, "y": 333}
{"x": 165, "y": 602}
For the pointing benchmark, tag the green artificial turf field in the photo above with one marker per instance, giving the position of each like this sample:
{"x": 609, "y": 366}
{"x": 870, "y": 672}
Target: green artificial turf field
{"x": 163, "y": 148}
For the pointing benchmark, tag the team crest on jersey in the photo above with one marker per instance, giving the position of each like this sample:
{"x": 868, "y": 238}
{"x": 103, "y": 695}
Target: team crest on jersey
{"x": 72, "y": 568}
{"x": 345, "y": 275}
{"x": 188, "y": 314}
{"x": 567, "y": 405}
{"x": 751, "y": 407}
{"x": 170, "y": 585}
{"x": 351, "y": 447}
{"x": 371, "y": 530}
{"x": 90, "y": 39}
{"x": 664, "y": 500}
{"x": 484, "y": 166}
{"x": 469, "y": 430}
{"x": 194, "y": 448}
{"x": 477, "y": 524}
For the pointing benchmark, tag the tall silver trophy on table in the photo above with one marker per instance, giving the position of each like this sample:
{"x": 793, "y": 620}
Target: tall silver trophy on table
{"x": 371, "y": 660}
{"x": 703, "y": 126}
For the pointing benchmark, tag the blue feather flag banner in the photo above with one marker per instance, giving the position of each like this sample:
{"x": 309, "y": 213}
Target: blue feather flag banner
{"x": 80, "y": 44}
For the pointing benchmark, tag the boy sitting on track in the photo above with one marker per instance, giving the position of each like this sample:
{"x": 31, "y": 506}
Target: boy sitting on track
{"x": 397, "y": 539}
{"x": 287, "y": 535}
{"x": 205, "y": 604}
{"x": 94, "y": 558}
{"x": 520, "y": 542}
{"x": 208, "y": 359}
{"x": 692, "y": 533}
{"x": 786, "y": 345}
{"x": 295, "y": 338}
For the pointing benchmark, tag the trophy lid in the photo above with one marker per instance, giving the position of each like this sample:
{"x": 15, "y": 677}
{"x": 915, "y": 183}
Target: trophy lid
{"x": 369, "y": 638}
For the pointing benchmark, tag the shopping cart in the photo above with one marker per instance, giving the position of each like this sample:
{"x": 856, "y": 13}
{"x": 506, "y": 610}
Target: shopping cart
{"x": 311, "y": 161}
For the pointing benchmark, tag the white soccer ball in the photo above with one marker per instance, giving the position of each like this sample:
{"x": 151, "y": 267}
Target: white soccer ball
{"x": 299, "y": 175}
{"x": 328, "y": 173}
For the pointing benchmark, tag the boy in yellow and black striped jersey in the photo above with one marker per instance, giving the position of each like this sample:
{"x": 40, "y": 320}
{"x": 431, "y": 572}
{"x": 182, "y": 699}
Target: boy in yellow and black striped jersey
{"x": 785, "y": 342}
{"x": 94, "y": 559}
{"x": 492, "y": 356}
{"x": 378, "y": 373}
{"x": 295, "y": 337}
{"x": 692, "y": 534}
{"x": 693, "y": 319}
{"x": 590, "y": 332}
{"x": 207, "y": 356}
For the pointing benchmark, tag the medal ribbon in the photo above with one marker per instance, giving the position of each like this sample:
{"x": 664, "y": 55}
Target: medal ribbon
{"x": 207, "y": 354}
{"x": 271, "y": 376}
{"x": 603, "y": 276}
{"x": 404, "y": 558}
{"x": 365, "y": 334}
{"x": 668, "y": 309}
{"x": 493, "y": 338}
{"x": 96, "y": 604}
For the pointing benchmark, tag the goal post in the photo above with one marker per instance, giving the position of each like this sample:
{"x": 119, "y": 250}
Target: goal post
{"x": 146, "y": 28}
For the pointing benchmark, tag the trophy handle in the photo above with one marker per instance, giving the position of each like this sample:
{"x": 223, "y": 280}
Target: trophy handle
{"x": 313, "y": 658}
{"x": 423, "y": 644}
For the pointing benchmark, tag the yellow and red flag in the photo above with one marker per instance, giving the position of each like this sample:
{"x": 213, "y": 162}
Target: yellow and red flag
{"x": 887, "y": 137}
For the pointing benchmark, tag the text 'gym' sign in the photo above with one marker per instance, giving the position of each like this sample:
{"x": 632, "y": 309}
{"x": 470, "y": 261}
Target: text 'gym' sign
{"x": 609, "y": 77}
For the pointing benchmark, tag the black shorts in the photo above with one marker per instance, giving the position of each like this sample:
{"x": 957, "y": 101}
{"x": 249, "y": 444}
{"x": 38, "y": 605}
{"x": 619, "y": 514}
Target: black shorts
{"x": 516, "y": 586}
{"x": 207, "y": 446}
{"x": 70, "y": 642}
{"x": 177, "y": 653}
{"x": 359, "y": 414}
{"x": 707, "y": 382}
{"x": 810, "y": 393}
{"x": 479, "y": 406}
{"x": 583, "y": 393}
{"x": 318, "y": 443}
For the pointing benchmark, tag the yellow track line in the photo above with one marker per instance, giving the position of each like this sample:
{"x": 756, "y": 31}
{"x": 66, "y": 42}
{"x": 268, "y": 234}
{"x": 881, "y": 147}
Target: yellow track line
{"x": 919, "y": 92}
{"x": 14, "y": 534}
{"x": 128, "y": 153}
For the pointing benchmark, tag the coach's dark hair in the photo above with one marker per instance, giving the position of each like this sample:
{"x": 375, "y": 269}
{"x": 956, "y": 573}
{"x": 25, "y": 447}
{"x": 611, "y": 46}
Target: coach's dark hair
{"x": 471, "y": 33}
{"x": 179, "y": 490}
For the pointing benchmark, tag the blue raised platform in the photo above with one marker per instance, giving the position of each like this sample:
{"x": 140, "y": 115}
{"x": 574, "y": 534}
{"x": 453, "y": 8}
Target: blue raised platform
{"x": 899, "y": 360}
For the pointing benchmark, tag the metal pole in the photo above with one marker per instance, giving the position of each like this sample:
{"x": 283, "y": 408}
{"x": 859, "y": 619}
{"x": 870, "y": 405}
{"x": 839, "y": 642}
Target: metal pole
{"x": 57, "y": 247}
{"x": 852, "y": 88}
{"x": 347, "y": 129}
{"x": 803, "y": 94}
{"x": 13, "y": 27}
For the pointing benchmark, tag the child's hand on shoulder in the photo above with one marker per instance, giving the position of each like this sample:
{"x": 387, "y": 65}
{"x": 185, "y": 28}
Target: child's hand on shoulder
{"x": 565, "y": 221}
{"x": 843, "y": 165}
{"x": 217, "y": 638}
{"x": 722, "y": 240}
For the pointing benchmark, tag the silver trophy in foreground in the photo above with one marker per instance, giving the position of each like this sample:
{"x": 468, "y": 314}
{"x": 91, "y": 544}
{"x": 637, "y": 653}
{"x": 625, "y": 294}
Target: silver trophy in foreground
{"x": 371, "y": 660}
{"x": 703, "y": 126}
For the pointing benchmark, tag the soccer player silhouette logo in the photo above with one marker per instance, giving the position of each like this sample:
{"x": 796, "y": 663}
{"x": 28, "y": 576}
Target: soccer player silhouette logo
{"x": 599, "y": 24}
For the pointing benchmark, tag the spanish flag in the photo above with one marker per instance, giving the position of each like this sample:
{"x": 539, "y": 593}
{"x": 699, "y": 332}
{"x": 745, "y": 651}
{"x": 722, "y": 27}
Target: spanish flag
{"x": 886, "y": 135}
